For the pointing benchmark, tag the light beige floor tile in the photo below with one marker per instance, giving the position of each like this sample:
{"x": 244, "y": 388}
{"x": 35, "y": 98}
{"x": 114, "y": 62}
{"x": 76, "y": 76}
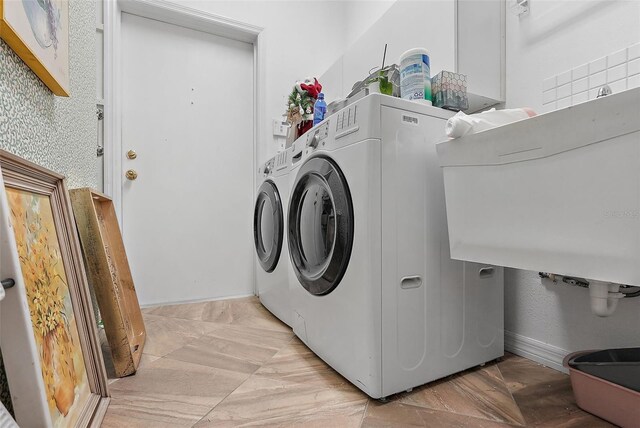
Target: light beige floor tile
{"x": 247, "y": 311}
{"x": 544, "y": 395}
{"x": 268, "y": 402}
{"x": 576, "y": 419}
{"x": 237, "y": 349}
{"x": 297, "y": 363}
{"x": 122, "y": 413}
{"x": 210, "y": 350}
{"x": 395, "y": 414}
{"x": 190, "y": 311}
{"x": 145, "y": 360}
{"x": 251, "y": 336}
{"x": 165, "y": 335}
{"x": 479, "y": 392}
{"x": 167, "y": 391}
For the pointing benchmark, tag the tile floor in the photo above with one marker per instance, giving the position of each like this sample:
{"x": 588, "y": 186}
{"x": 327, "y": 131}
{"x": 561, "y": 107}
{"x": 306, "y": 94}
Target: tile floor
{"x": 231, "y": 363}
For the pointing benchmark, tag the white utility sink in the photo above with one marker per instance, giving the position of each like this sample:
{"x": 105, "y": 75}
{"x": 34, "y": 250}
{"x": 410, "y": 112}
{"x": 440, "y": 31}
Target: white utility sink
{"x": 559, "y": 192}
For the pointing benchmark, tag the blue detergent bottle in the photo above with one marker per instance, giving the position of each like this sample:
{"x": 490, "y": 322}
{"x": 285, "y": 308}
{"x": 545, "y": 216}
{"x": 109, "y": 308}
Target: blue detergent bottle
{"x": 319, "y": 109}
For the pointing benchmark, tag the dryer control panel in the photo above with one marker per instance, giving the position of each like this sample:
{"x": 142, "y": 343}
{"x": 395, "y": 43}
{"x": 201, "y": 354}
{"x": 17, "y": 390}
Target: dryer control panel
{"x": 317, "y": 136}
{"x": 281, "y": 160}
{"x": 267, "y": 168}
{"x": 347, "y": 121}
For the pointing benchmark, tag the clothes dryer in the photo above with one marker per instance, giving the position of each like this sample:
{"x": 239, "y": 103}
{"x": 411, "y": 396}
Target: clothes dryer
{"x": 270, "y": 239}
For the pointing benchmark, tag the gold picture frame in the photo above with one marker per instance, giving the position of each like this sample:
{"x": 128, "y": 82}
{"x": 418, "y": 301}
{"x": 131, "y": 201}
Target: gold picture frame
{"x": 38, "y": 31}
{"x": 48, "y": 336}
{"x": 110, "y": 277}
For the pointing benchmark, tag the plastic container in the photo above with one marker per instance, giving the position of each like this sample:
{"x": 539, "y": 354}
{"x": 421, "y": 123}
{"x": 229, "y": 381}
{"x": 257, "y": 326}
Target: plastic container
{"x": 621, "y": 366}
{"x": 449, "y": 91}
{"x": 607, "y": 400}
{"x": 415, "y": 76}
{"x": 319, "y": 109}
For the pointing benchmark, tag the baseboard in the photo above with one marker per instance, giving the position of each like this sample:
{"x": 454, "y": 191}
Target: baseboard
{"x": 184, "y": 302}
{"x": 532, "y": 349}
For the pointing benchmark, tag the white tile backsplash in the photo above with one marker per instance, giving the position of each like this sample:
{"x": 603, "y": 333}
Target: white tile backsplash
{"x": 564, "y": 91}
{"x": 598, "y": 65}
{"x": 620, "y": 70}
{"x": 549, "y": 96}
{"x": 598, "y": 79}
{"x": 546, "y": 108}
{"x": 579, "y": 98}
{"x": 564, "y": 78}
{"x": 617, "y": 58}
{"x": 580, "y": 72}
{"x": 618, "y": 85}
{"x": 564, "y": 102}
{"x": 633, "y": 67}
{"x": 616, "y": 73}
{"x": 580, "y": 85}
{"x": 633, "y": 81}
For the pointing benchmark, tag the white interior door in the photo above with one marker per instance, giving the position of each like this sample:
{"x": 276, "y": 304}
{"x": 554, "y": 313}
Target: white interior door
{"x": 188, "y": 115}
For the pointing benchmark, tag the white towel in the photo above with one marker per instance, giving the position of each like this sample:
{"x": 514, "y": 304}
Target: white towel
{"x": 462, "y": 124}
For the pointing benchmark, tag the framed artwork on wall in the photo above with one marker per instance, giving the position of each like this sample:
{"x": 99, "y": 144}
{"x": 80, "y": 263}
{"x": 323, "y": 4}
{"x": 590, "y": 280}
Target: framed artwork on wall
{"x": 48, "y": 335}
{"x": 38, "y": 31}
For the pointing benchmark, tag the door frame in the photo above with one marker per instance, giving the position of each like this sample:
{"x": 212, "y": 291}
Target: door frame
{"x": 177, "y": 14}
{"x": 170, "y": 13}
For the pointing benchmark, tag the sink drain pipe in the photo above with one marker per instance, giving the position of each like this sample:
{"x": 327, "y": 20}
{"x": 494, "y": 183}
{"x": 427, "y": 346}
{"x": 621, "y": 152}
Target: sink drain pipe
{"x": 604, "y": 297}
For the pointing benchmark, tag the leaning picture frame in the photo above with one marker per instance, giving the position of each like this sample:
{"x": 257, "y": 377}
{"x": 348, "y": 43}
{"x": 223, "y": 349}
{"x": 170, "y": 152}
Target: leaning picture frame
{"x": 38, "y": 31}
{"x": 110, "y": 278}
{"x": 48, "y": 337}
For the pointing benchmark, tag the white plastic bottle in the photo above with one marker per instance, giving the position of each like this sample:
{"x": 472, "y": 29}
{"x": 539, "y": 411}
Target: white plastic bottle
{"x": 415, "y": 76}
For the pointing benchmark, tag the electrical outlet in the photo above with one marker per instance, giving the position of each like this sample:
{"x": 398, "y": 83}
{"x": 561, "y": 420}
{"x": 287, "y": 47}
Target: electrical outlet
{"x": 280, "y": 128}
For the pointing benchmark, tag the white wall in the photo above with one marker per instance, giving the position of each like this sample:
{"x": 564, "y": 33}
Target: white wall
{"x": 403, "y": 25}
{"x": 557, "y": 36}
{"x": 361, "y": 15}
{"x": 301, "y": 38}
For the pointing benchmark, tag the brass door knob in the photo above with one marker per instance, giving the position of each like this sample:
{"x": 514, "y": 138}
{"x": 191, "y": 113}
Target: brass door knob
{"x": 131, "y": 174}
{"x": 131, "y": 154}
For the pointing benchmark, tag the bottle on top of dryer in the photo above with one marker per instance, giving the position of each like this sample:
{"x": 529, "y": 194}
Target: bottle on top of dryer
{"x": 319, "y": 109}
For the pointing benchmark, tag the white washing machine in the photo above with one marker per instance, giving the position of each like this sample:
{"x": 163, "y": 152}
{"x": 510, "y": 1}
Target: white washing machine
{"x": 374, "y": 291}
{"x": 270, "y": 238}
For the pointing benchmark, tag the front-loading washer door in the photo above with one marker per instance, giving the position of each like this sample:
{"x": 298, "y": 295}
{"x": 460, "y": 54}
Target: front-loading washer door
{"x": 320, "y": 225}
{"x": 268, "y": 226}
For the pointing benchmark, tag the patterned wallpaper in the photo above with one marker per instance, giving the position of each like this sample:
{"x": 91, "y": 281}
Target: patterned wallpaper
{"x": 57, "y": 133}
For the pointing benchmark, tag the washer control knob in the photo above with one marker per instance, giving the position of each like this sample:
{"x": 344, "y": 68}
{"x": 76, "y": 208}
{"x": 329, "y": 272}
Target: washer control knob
{"x": 313, "y": 142}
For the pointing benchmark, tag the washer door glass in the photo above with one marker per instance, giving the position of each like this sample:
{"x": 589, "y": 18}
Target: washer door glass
{"x": 320, "y": 226}
{"x": 268, "y": 226}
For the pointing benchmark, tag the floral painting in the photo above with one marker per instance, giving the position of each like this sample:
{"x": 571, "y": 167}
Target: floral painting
{"x": 38, "y": 30}
{"x": 50, "y": 306}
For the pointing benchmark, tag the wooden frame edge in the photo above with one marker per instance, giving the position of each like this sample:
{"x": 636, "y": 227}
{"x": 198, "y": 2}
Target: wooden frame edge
{"x": 9, "y": 35}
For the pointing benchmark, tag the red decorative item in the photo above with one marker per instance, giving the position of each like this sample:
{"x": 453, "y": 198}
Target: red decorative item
{"x": 313, "y": 89}
{"x": 300, "y": 107}
{"x": 304, "y": 126}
